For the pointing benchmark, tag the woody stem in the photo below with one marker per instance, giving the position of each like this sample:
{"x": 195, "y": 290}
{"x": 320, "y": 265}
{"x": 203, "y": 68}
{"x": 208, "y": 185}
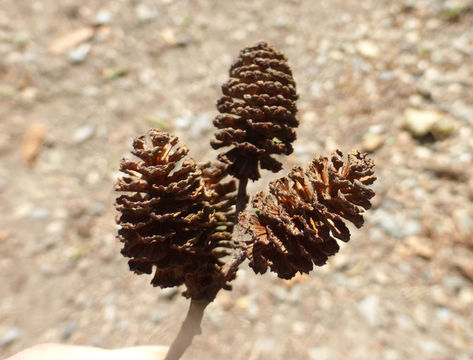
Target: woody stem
{"x": 242, "y": 197}
{"x": 238, "y": 257}
{"x": 190, "y": 327}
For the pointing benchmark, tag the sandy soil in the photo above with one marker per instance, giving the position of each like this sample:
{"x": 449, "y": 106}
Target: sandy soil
{"x": 80, "y": 79}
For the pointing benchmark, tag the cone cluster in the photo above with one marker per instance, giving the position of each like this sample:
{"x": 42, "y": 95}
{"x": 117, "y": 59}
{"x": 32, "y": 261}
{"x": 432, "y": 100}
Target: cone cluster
{"x": 176, "y": 217}
{"x": 298, "y": 225}
{"x": 258, "y": 109}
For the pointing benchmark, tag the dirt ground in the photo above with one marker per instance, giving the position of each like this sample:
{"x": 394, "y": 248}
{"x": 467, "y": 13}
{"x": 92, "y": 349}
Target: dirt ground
{"x": 80, "y": 79}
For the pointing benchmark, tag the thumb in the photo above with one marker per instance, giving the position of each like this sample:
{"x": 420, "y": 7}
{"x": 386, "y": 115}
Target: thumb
{"x": 141, "y": 353}
{"x": 74, "y": 352}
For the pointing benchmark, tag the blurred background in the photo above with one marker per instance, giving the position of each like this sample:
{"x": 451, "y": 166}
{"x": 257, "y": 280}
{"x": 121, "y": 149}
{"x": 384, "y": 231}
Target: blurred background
{"x": 80, "y": 79}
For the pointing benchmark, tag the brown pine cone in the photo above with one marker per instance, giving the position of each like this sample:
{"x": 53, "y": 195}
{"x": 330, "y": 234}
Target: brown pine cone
{"x": 167, "y": 218}
{"x": 258, "y": 112}
{"x": 298, "y": 226}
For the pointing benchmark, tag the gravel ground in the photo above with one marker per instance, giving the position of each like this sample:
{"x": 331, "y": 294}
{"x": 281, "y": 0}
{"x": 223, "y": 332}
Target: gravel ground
{"x": 80, "y": 79}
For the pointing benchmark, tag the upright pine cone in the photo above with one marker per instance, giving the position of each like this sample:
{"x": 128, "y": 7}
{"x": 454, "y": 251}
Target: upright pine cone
{"x": 298, "y": 226}
{"x": 258, "y": 111}
{"x": 167, "y": 218}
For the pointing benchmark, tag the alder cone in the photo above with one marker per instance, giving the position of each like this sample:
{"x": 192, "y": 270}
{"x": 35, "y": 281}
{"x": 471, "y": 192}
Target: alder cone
{"x": 258, "y": 109}
{"x": 298, "y": 226}
{"x": 167, "y": 217}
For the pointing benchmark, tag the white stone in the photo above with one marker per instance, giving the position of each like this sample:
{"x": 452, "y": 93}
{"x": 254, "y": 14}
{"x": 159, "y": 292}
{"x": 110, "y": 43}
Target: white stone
{"x": 145, "y": 13}
{"x": 78, "y": 54}
{"x": 367, "y": 48}
{"x": 420, "y": 122}
{"x": 320, "y": 353}
{"x": 83, "y": 134}
{"x": 369, "y": 308}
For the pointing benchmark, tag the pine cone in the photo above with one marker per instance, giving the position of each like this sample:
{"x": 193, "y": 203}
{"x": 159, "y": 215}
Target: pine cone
{"x": 298, "y": 226}
{"x": 258, "y": 112}
{"x": 168, "y": 221}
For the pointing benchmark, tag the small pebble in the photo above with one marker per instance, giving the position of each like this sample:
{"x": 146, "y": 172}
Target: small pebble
{"x": 68, "y": 329}
{"x": 83, "y": 134}
{"x": 169, "y": 293}
{"x": 79, "y": 54}
{"x": 302, "y": 153}
{"x": 216, "y": 315}
{"x": 444, "y": 128}
{"x": 10, "y": 335}
{"x": 391, "y": 354}
{"x": 279, "y": 293}
{"x": 266, "y": 345}
{"x": 253, "y": 310}
{"x": 465, "y": 296}
{"x": 243, "y": 302}
{"x": 372, "y": 142}
{"x": 432, "y": 347}
{"x": 55, "y": 227}
{"x": 420, "y": 247}
{"x": 320, "y": 353}
{"x": 386, "y": 75}
{"x": 169, "y": 37}
{"x": 316, "y": 89}
{"x": 368, "y": 49}
{"x": 39, "y": 213}
{"x": 123, "y": 326}
{"x": 376, "y": 129}
{"x": 103, "y": 17}
{"x": 387, "y": 222}
{"x": 444, "y": 314}
{"x": 98, "y": 209}
{"x": 158, "y": 315}
{"x": 182, "y": 122}
{"x": 411, "y": 227}
{"x": 145, "y": 13}
{"x": 201, "y": 124}
{"x": 369, "y": 308}
{"x": 96, "y": 341}
{"x": 299, "y": 328}
{"x": 110, "y": 312}
{"x": 420, "y": 122}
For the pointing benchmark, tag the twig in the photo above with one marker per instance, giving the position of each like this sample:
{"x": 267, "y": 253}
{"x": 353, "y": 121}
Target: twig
{"x": 242, "y": 197}
{"x": 230, "y": 268}
{"x": 190, "y": 327}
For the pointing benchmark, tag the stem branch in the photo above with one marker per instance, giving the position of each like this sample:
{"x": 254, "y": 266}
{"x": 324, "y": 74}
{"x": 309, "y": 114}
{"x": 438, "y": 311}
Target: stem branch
{"x": 242, "y": 198}
{"x": 190, "y": 327}
{"x": 231, "y": 267}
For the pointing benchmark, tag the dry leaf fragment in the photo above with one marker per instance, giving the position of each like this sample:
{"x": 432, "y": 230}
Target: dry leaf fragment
{"x": 168, "y": 36}
{"x": 70, "y": 40}
{"x": 32, "y": 142}
{"x": 465, "y": 267}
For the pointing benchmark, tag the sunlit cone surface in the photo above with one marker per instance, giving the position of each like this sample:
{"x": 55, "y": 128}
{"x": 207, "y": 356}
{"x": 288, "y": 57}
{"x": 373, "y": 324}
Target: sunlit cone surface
{"x": 222, "y": 193}
{"x": 298, "y": 226}
{"x": 258, "y": 109}
{"x": 168, "y": 216}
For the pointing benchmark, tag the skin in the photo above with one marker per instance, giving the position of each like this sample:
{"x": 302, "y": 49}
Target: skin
{"x": 74, "y": 352}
